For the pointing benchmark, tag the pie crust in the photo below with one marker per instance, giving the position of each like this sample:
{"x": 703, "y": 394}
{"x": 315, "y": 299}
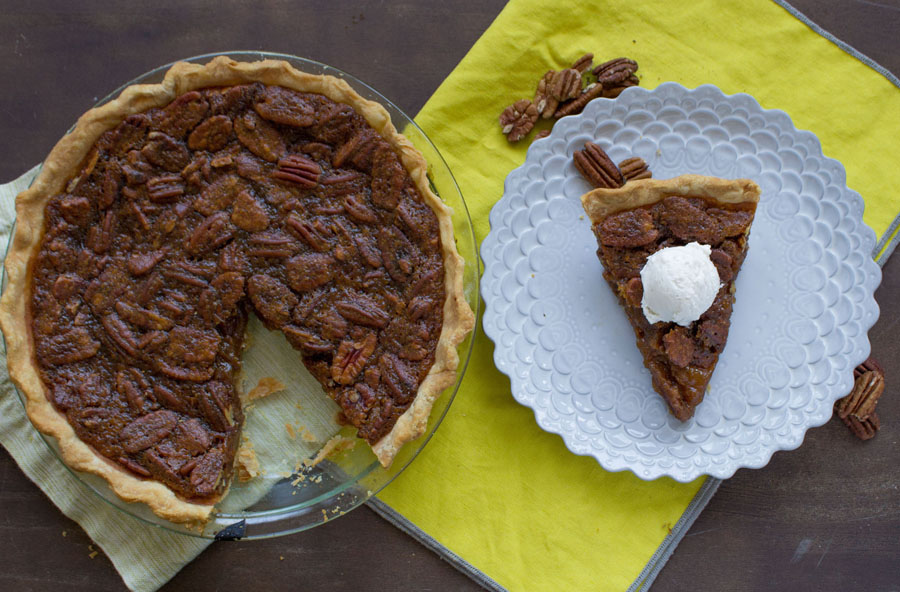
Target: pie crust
{"x": 64, "y": 163}
{"x": 601, "y": 203}
{"x": 681, "y": 360}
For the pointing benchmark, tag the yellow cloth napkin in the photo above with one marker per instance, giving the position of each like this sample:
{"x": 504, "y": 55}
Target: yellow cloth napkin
{"x": 491, "y": 486}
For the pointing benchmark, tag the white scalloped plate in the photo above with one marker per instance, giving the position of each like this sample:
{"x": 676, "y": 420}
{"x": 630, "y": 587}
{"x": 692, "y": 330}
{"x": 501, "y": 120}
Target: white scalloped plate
{"x": 804, "y": 296}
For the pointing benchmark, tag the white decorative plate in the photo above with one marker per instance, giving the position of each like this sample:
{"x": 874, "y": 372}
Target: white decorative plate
{"x": 804, "y": 299}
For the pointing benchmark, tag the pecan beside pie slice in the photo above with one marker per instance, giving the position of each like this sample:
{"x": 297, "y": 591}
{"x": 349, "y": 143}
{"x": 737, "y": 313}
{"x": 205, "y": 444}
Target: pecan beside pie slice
{"x": 169, "y": 215}
{"x": 645, "y": 216}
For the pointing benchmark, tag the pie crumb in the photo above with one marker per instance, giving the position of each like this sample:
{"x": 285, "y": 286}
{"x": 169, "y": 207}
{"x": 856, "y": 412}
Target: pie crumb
{"x": 333, "y": 446}
{"x": 247, "y": 463}
{"x": 64, "y": 533}
{"x": 290, "y": 431}
{"x": 265, "y": 387}
{"x": 281, "y": 558}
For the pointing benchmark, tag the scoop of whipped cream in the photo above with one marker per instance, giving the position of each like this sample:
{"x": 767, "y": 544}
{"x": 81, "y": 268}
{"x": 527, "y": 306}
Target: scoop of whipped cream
{"x": 680, "y": 284}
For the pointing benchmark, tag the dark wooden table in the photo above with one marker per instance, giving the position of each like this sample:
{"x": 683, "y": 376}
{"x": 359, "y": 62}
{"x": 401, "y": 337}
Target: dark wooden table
{"x": 824, "y": 517}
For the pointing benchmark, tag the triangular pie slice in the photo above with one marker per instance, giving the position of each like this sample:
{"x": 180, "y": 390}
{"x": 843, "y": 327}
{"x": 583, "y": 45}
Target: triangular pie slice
{"x": 168, "y": 216}
{"x": 636, "y": 220}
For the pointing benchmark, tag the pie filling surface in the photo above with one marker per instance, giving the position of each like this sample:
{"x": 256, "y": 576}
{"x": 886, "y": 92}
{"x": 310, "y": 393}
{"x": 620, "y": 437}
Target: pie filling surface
{"x": 187, "y": 218}
{"x": 680, "y": 359}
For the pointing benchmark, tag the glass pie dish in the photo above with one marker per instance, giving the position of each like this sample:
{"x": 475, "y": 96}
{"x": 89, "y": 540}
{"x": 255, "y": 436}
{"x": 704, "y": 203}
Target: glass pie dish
{"x": 311, "y": 469}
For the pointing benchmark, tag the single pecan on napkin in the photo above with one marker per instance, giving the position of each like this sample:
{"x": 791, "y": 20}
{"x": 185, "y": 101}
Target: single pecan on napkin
{"x": 518, "y": 119}
{"x": 857, "y": 409}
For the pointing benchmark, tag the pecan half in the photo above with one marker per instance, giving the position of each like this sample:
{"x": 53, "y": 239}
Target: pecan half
{"x": 397, "y": 377}
{"x": 214, "y": 402}
{"x": 308, "y": 271}
{"x": 388, "y": 177}
{"x": 615, "y": 71}
{"x": 120, "y": 334}
{"x": 213, "y": 232}
{"x": 566, "y": 84}
{"x": 207, "y": 473}
{"x": 142, "y": 317}
{"x": 634, "y": 168}
{"x": 351, "y": 357}
{"x": 73, "y": 345}
{"x": 332, "y": 325}
{"x": 213, "y": 134}
{"x": 75, "y": 210}
{"x": 168, "y": 398}
{"x": 299, "y": 170}
{"x": 861, "y": 401}
{"x": 143, "y": 263}
{"x": 584, "y": 63}
{"x": 271, "y": 299}
{"x": 419, "y": 306}
{"x": 578, "y": 104}
{"x": 306, "y": 340}
{"x": 192, "y": 436}
{"x": 165, "y": 188}
{"x": 189, "y": 345}
{"x": 362, "y": 310}
{"x": 286, "y": 107}
{"x": 307, "y": 232}
{"x": 248, "y": 213}
{"x": 356, "y": 208}
{"x": 166, "y": 152}
{"x": 269, "y": 244}
{"x": 126, "y": 387}
{"x": 554, "y": 88}
{"x": 217, "y": 196}
{"x": 857, "y": 409}
{"x": 518, "y": 119}
{"x": 864, "y": 429}
{"x": 596, "y": 166}
{"x": 182, "y": 114}
{"x": 147, "y": 430}
{"x": 358, "y": 151}
{"x": 100, "y": 237}
{"x": 544, "y": 101}
{"x": 259, "y": 136}
{"x": 679, "y": 346}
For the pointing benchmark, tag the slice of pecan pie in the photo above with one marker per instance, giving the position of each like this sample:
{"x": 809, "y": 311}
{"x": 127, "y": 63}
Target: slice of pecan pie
{"x": 169, "y": 215}
{"x": 643, "y": 217}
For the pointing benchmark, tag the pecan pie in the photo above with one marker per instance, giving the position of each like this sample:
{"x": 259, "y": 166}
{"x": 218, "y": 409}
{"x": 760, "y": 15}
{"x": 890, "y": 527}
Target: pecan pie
{"x": 644, "y": 216}
{"x": 169, "y": 215}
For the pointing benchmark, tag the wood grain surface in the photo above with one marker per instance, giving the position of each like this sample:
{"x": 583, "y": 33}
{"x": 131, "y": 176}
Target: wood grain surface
{"x": 823, "y": 517}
